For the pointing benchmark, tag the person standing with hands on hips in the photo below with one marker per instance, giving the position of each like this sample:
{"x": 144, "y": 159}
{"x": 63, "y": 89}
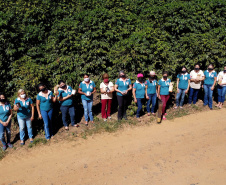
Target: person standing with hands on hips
{"x": 151, "y": 92}
{"x": 25, "y": 114}
{"x": 44, "y": 104}
{"x": 122, "y": 86}
{"x": 163, "y": 92}
{"x": 139, "y": 93}
{"x": 87, "y": 88}
{"x": 5, "y": 121}
{"x": 65, "y": 97}
{"x": 210, "y": 78}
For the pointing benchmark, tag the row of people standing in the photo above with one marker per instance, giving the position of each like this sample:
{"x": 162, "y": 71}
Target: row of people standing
{"x": 149, "y": 89}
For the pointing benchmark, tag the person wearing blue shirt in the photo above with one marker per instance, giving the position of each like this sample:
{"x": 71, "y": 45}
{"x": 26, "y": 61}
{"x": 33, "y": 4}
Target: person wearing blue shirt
{"x": 151, "y": 92}
{"x": 44, "y": 104}
{"x": 139, "y": 93}
{"x": 122, "y": 86}
{"x": 25, "y": 114}
{"x": 163, "y": 92}
{"x": 210, "y": 78}
{"x": 183, "y": 82}
{"x": 65, "y": 97}
{"x": 87, "y": 88}
{"x": 5, "y": 121}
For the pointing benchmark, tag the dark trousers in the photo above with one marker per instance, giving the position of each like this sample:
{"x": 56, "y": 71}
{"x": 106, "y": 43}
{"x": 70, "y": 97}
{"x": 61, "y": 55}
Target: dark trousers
{"x": 123, "y": 105}
{"x": 64, "y": 111}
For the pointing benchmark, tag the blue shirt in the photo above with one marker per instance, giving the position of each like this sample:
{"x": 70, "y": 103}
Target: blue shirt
{"x": 5, "y": 112}
{"x": 151, "y": 87}
{"x": 62, "y": 93}
{"x": 140, "y": 89}
{"x": 122, "y": 86}
{"x": 183, "y": 80}
{"x": 164, "y": 89}
{"x": 46, "y": 104}
{"x": 25, "y": 108}
{"x": 209, "y": 77}
{"x": 85, "y": 88}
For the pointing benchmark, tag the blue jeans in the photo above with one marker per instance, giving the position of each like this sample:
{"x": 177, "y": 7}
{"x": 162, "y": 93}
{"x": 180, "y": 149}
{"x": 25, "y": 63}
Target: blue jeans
{"x": 47, "y": 118}
{"x": 139, "y": 104}
{"x": 64, "y": 111}
{"x": 22, "y": 122}
{"x": 152, "y": 100}
{"x": 208, "y": 93}
{"x": 193, "y": 95}
{"x": 87, "y": 105}
{"x": 182, "y": 95}
{"x": 8, "y": 133}
{"x": 221, "y": 93}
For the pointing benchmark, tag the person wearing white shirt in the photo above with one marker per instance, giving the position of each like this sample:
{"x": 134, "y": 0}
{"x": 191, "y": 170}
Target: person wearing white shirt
{"x": 197, "y": 76}
{"x": 221, "y": 87}
{"x": 106, "y": 89}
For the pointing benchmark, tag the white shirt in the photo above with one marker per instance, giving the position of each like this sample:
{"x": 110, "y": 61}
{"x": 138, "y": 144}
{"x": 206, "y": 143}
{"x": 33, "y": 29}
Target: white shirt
{"x": 194, "y": 75}
{"x": 224, "y": 77}
{"x": 104, "y": 86}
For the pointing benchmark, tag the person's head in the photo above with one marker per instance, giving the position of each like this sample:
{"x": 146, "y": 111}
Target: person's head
{"x": 42, "y": 87}
{"x": 122, "y": 74}
{"x": 21, "y": 93}
{"x": 86, "y": 78}
{"x": 105, "y": 78}
{"x": 140, "y": 77}
{"x": 165, "y": 75}
{"x": 210, "y": 67}
{"x": 62, "y": 84}
{"x": 2, "y": 97}
{"x": 152, "y": 75}
{"x": 197, "y": 67}
{"x": 183, "y": 70}
{"x": 225, "y": 69}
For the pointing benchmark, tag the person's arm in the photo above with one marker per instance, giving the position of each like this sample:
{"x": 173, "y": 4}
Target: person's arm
{"x": 130, "y": 87}
{"x": 214, "y": 83}
{"x": 134, "y": 95}
{"x": 38, "y": 108}
{"x": 146, "y": 92}
{"x": 9, "y": 118}
{"x": 102, "y": 91}
{"x": 116, "y": 89}
{"x": 60, "y": 98}
{"x": 15, "y": 108}
{"x": 188, "y": 87}
{"x": 159, "y": 86}
{"x": 32, "y": 112}
{"x": 178, "y": 85}
{"x": 80, "y": 91}
{"x": 94, "y": 90}
{"x": 54, "y": 98}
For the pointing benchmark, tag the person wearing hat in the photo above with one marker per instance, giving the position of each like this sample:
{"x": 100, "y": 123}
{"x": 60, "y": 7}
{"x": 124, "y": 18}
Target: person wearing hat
{"x": 122, "y": 87}
{"x": 151, "y": 92}
{"x": 139, "y": 93}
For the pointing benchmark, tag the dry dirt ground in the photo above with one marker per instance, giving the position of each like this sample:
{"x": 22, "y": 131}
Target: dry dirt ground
{"x": 186, "y": 151}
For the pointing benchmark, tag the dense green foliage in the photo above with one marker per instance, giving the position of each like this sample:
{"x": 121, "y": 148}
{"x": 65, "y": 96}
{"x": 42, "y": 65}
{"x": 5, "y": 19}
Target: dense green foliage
{"x": 47, "y": 40}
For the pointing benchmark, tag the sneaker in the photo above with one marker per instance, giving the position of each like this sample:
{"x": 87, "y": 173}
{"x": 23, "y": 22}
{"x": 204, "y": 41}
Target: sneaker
{"x": 4, "y": 147}
{"x": 181, "y": 107}
{"x": 125, "y": 118}
{"x": 10, "y": 145}
{"x": 105, "y": 119}
{"x": 138, "y": 119}
{"x": 109, "y": 117}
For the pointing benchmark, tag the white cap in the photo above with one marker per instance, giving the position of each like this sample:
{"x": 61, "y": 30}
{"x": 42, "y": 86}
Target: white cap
{"x": 152, "y": 73}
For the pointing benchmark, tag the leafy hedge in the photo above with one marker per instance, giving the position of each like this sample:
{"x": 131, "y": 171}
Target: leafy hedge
{"x": 48, "y": 40}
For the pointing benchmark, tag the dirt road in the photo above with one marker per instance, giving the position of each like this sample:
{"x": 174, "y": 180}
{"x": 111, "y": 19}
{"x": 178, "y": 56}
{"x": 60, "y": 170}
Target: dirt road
{"x": 189, "y": 150}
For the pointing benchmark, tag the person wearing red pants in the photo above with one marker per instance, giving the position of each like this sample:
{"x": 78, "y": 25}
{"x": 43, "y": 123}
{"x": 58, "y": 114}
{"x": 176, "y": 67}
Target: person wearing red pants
{"x": 163, "y": 92}
{"x": 106, "y": 89}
